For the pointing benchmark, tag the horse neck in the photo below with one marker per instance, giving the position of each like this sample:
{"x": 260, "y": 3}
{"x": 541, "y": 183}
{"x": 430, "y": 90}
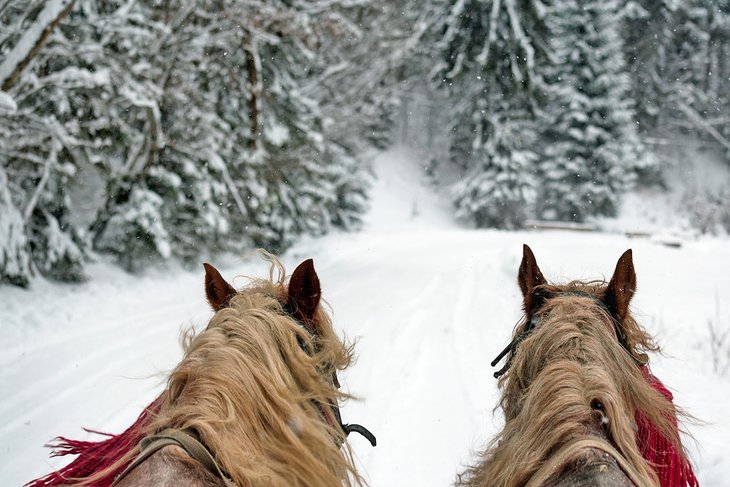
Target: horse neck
{"x": 559, "y": 372}
{"x": 170, "y": 466}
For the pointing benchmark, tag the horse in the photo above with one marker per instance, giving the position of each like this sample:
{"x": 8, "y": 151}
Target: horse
{"x": 254, "y": 401}
{"x": 580, "y": 404}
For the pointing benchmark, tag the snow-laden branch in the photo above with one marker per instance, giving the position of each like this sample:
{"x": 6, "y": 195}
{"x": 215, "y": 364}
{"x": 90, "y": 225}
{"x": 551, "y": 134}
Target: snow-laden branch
{"x": 7, "y": 104}
{"x": 50, "y": 161}
{"x": 4, "y": 5}
{"x": 492, "y": 36}
{"x": 32, "y": 41}
{"x": 697, "y": 119}
{"x": 452, "y": 30}
{"x": 155, "y": 136}
{"x": 523, "y": 40}
{"x": 233, "y": 191}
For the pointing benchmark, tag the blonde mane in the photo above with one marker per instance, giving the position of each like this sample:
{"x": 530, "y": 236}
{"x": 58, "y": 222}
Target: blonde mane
{"x": 254, "y": 385}
{"x": 569, "y": 361}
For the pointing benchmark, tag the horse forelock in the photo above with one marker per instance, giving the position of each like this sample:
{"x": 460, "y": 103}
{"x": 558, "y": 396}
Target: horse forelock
{"x": 638, "y": 340}
{"x": 571, "y": 359}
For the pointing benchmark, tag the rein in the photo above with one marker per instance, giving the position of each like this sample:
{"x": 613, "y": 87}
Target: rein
{"x": 535, "y": 321}
{"x": 549, "y": 468}
{"x": 346, "y": 428}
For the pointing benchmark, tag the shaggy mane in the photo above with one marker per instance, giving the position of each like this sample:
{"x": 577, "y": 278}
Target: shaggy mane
{"x": 250, "y": 391}
{"x": 571, "y": 359}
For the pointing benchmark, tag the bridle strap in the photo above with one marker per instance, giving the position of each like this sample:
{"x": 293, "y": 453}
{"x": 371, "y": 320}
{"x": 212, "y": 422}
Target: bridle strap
{"x": 344, "y": 427}
{"x": 535, "y": 320}
{"x": 550, "y": 467}
{"x": 185, "y": 439}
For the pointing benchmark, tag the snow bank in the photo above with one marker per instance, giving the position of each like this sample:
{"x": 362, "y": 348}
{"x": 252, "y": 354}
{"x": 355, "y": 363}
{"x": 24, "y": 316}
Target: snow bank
{"x": 430, "y": 304}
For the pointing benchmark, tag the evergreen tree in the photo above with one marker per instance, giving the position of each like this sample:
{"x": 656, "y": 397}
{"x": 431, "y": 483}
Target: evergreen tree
{"x": 295, "y": 171}
{"x": 490, "y": 58}
{"x": 170, "y": 197}
{"x": 588, "y": 123}
{"x": 677, "y": 56}
{"x": 196, "y": 121}
{"x": 42, "y": 139}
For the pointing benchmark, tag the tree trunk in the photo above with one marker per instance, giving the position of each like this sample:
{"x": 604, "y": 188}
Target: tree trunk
{"x": 31, "y": 42}
{"x": 253, "y": 66}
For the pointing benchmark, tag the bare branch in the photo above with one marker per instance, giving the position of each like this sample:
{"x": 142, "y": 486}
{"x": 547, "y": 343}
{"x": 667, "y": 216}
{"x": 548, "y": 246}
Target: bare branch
{"x": 50, "y": 161}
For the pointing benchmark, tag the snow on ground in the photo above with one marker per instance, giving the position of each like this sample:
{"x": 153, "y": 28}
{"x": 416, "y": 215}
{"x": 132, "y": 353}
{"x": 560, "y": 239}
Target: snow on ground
{"x": 689, "y": 170}
{"x": 430, "y": 304}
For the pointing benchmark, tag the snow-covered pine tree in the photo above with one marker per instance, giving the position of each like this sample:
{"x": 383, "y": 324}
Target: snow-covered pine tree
{"x": 293, "y": 178}
{"x": 39, "y": 146}
{"x": 490, "y": 55}
{"x": 677, "y": 56}
{"x": 102, "y": 112}
{"x": 241, "y": 158}
{"x": 589, "y": 136}
{"x": 169, "y": 198}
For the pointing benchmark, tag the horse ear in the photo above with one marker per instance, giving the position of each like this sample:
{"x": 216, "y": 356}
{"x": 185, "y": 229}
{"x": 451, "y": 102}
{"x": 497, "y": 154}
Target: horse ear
{"x": 621, "y": 287}
{"x": 218, "y": 291}
{"x": 304, "y": 292}
{"x": 529, "y": 277}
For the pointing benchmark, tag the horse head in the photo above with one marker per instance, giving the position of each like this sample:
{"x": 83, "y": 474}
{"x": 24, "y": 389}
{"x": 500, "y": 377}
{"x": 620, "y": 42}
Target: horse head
{"x": 254, "y": 400}
{"x": 301, "y": 303}
{"x": 573, "y": 387}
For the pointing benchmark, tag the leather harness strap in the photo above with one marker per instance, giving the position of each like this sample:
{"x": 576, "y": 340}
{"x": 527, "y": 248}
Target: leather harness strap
{"x": 184, "y": 439}
{"x": 549, "y": 468}
{"x": 642, "y": 359}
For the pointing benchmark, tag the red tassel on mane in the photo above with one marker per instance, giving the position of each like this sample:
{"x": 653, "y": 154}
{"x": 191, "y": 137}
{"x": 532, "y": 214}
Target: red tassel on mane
{"x": 672, "y": 470}
{"x": 95, "y": 456}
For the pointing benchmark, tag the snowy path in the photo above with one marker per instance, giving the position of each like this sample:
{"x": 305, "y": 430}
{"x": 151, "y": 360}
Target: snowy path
{"x": 430, "y": 303}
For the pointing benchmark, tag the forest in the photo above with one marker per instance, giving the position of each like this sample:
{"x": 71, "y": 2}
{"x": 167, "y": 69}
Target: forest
{"x": 147, "y": 131}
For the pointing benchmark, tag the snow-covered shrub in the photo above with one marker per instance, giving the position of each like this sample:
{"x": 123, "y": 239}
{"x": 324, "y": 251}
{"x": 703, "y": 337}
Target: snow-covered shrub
{"x": 708, "y": 210}
{"x": 133, "y": 230}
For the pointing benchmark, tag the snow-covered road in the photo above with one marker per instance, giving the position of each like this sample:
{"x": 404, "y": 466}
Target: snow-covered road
{"x": 429, "y": 303}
